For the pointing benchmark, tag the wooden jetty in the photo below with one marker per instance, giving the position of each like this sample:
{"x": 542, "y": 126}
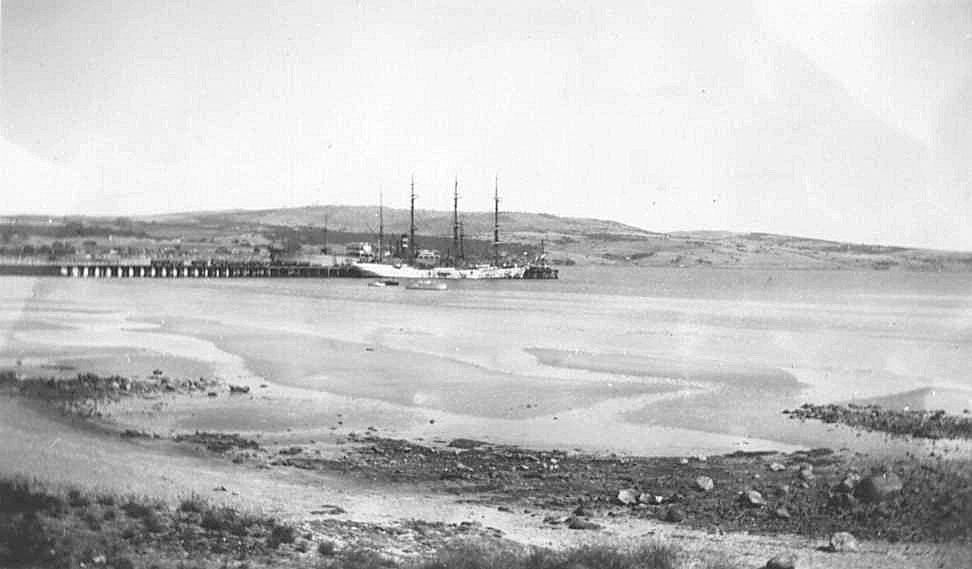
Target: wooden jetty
{"x": 173, "y": 270}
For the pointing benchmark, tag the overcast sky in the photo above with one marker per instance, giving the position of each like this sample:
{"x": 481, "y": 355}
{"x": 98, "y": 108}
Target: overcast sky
{"x": 848, "y": 119}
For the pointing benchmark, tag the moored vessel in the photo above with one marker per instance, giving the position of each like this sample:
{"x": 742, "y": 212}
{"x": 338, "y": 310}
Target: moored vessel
{"x": 427, "y": 284}
{"x": 459, "y": 270}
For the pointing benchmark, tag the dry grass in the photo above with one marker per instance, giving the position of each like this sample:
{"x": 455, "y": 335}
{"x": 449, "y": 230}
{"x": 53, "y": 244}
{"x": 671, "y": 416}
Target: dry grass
{"x": 41, "y": 529}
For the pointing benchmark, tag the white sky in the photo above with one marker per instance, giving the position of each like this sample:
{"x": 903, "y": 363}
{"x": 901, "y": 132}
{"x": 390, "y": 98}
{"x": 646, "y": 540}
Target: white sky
{"x": 844, "y": 119}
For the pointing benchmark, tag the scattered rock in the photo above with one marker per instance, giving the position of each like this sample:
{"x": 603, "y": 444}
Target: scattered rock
{"x": 674, "y": 514}
{"x": 842, "y": 542}
{"x": 806, "y": 473}
{"x": 582, "y": 512}
{"x": 650, "y": 499}
{"x": 575, "y": 522}
{"x": 784, "y": 561}
{"x": 879, "y": 487}
{"x": 704, "y": 483}
{"x": 752, "y": 499}
{"x": 329, "y": 510}
{"x": 466, "y": 444}
{"x": 627, "y": 496}
{"x": 849, "y": 483}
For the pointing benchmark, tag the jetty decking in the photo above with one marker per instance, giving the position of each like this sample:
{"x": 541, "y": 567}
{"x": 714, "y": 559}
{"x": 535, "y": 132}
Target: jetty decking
{"x": 162, "y": 270}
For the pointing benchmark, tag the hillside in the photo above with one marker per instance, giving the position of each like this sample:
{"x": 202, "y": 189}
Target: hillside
{"x": 364, "y": 219}
{"x": 755, "y": 251}
{"x": 566, "y": 240}
{"x": 596, "y": 241}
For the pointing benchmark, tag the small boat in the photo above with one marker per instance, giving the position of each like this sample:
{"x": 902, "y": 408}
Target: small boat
{"x": 427, "y": 284}
{"x": 384, "y": 283}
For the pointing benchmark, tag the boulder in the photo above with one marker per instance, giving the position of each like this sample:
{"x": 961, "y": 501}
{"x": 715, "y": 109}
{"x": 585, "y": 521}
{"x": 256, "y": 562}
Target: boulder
{"x": 784, "y": 561}
{"x": 650, "y": 499}
{"x": 842, "y": 542}
{"x": 782, "y": 513}
{"x": 576, "y": 522}
{"x": 806, "y": 473}
{"x": 752, "y": 499}
{"x": 674, "y": 514}
{"x": 848, "y": 484}
{"x": 878, "y": 487}
{"x": 776, "y": 467}
{"x": 627, "y": 497}
{"x": 582, "y": 512}
{"x": 704, "y": 483}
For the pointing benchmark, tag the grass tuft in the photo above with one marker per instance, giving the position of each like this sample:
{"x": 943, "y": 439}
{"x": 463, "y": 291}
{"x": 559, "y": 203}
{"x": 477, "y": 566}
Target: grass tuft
{"x": 193, "y": 504}
{"x": 280, "y": 534}
{"x": 475, "y": 556}
{"x": 326, "y": 548}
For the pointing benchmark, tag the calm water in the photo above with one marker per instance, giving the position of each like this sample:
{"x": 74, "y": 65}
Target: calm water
{"x": 599, "y": 358}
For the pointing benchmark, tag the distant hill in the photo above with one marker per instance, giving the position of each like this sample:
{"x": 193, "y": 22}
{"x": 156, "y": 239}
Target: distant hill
{"x": 567, "y": 240}
{"x": 759, "y": 250}
{"x": 364, "y": 219}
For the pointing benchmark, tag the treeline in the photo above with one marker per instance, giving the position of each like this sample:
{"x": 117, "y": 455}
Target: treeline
{"x": 68, "y": 229}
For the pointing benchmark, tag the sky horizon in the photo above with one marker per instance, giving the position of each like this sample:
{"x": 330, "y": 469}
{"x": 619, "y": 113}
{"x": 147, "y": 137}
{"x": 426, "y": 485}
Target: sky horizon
{"x": 848, "y": 120}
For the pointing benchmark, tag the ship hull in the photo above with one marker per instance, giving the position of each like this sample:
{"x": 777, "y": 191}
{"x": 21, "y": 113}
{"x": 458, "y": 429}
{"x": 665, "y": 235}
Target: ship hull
{"x": 485, "y": 272}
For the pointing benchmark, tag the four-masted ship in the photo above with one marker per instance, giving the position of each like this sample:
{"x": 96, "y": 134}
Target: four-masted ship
{"x": 457, "y": 268}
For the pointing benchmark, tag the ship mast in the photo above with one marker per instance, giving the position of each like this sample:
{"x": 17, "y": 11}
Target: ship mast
{"x": 462, "y": 240}
{"x": 455, "y": 223}
{"x": 496, "y": 221}
{"x": 411, "y": 229}
{"x": 325, "y": 232}
{"x": 381, "y": 226}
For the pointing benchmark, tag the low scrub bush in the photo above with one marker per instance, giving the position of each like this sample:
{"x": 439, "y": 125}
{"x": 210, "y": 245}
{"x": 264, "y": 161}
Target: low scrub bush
{"x": 280, "y": 534}
{"x": 23, "y": 539}
{"x": 17, "y": 496}
{"x": 326, "y": 548}
{"x": 193, "y": 504}
{"x": 652, "y": 556}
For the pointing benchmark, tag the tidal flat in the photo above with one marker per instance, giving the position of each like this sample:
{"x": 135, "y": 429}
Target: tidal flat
{"x": 620, "y": 366}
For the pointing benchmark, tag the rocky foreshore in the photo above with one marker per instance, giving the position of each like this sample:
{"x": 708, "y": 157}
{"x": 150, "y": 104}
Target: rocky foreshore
{"x": 813, "y": 493}
{"x": 828, "y": 496}
{"x": 903, "y": 423}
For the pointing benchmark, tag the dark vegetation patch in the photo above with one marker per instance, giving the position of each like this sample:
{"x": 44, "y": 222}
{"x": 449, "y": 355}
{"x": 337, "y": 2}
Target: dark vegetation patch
{"x": 86, "y": 394}
{"x": 912, "y": 423}
{"x": 218, "y": 442}
{"x": 40, "y": 529}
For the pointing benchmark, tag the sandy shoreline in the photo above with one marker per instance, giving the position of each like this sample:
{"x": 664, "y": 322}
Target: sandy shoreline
{"x": 61, "y": 450}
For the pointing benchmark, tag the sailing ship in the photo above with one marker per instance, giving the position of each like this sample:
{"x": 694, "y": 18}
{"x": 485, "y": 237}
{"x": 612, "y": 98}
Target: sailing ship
{"x": 458, "y": 270}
